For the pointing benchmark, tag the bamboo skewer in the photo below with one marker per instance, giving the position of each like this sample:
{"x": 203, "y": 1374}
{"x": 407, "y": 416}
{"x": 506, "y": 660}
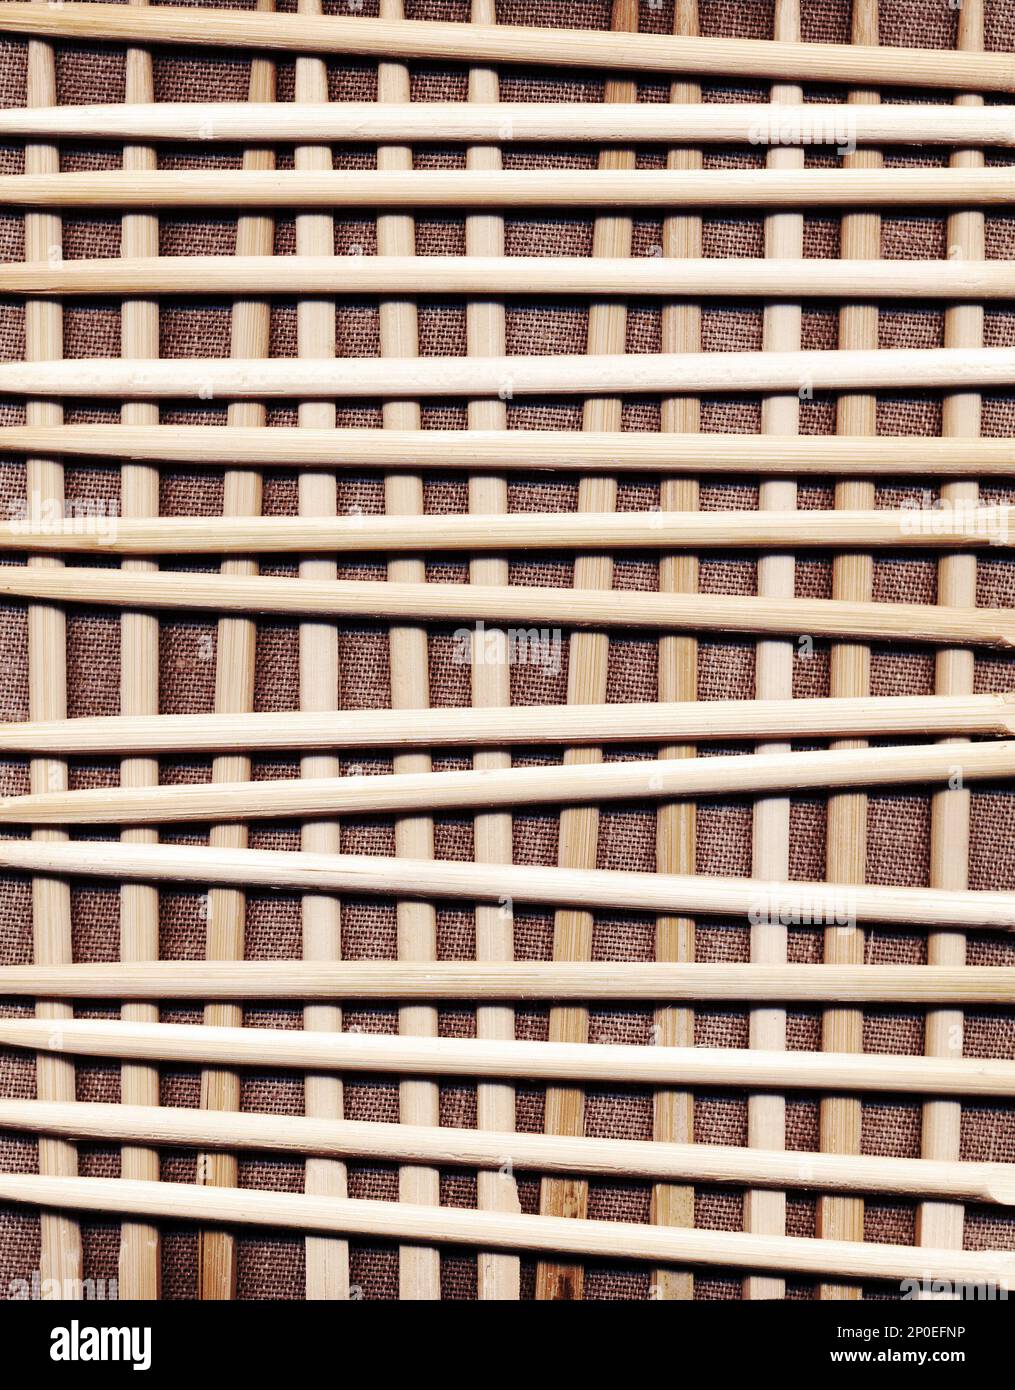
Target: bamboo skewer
{"x": 932, "y": 529}
{"x": 765, "y": 1211}
{"x": 840, "y": 1117}
{"x": 587, "y": 671}
{"x": 909, "y": 622}
{"x": 504, "y": 1230}
{"x": 60, "y": 1253}
{"x": 326, "y": 190}
{"x": 576, "y": 783}
{"x": 498, "y": 1276}
{"x": 941, "y": 1137}
{"x": 873, "y": 1073}
{"x": 489, "y": 121}
{"x": 383, "y": 38}
{"x": 627, "y": 1158}
{"x": 280, "y": 377}
{"x": 514, "y": 980}
{"x": 680, "y": 721}
{"x": 234, "y": 694}
{"x": 419, "y": 1273}
{"x": 495, "y": 274}
{"x": 793, "y": 903}
{"x": 530, "y": 450}
{"x": 327, "y": 1261}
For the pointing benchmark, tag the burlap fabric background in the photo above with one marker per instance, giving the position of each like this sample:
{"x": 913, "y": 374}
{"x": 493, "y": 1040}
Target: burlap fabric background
{"x": 271, "y": 1264}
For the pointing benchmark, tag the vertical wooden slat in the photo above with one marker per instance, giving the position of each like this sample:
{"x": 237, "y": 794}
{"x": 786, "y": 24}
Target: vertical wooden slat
{"x": 676, "y": 822}
{"x": 765, "y": 1212}
{"x": 841, "y": 1218}
{"x": 498, "y": 1274}
{"x": 587, "y": 674}
{"x": 942, "y": 1223}
{"x": 60, "y": 1258}
{"x": 327, "y": 1256}
{"x": 234, "y": 694}
{"x": 140, "y": 1266}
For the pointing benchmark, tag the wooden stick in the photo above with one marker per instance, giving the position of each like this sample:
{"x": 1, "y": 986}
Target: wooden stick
{"x": 764, "y": 1211}
{"x": 140, "y": 1260}
{"x": 409, "y": 658}
{"x": 937, "y": 1222}
{"x": 528, "y": 450}
{"x": 281, "y": 377}
{"x": 381, "y": 1053}
{"x": 514, "y": 188}
{"x": 894, "y": 715}
{"x": 794, "y": 903}
{"x": 512, "y": 275}
{"x": 327, "y": 1260}
{"x": 576, "y": 783}
{"x": 840, "y": 1117}
{"x": 234, "y": 694}
{"x": 507, "y": 1231}
{"x": 313, "y": 33}
{"x": 910, "y": 622}
{"x": 514, "y": 980}
{"x": 449, "y": 1147}
{"x": 933, "y": 529}
{"x": 52, "y": 939}
{"x": 491, "y": 122}
{"x": 587, "y": 672}
{"x": 498, "y": 1276}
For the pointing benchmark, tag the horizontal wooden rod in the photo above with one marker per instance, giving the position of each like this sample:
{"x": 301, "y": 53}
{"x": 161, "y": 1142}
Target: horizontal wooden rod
{"x": 789, "y": 903}
{"x": 451, "y": 1147}
{"x": 505, "y": 43}
{"x": 431, "y": 122}
{"x": 515, "y": 980}
{"x": 407, "y": 1223}
{"x": 512, "y": 188}
{"x": 350, "y": 276}
{"x": 208, "y": 379}
{"x": 581, "y": 784}
{"x": 447, "y": 603}
{"x": 436, "y": 727}
{"x": 511, "y": 450}
{"x": 626, "y": 1064}
{"x": 101, "y": 533}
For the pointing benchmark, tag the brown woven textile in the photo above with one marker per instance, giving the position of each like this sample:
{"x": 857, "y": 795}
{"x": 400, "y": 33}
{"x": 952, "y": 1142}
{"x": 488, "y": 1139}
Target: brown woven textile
{"x": 271, "y": 1264}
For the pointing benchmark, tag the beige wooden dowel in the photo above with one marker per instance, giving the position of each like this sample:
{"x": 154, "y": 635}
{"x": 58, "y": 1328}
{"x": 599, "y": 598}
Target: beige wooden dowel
{"x": 794, "y": 903}
{"x": 491, "y": 122}
{"x": 939, "y": 1223}
{"x": 309, "y": 33}
{"x": 60, "y": 1253}
{"x": 513, "y": 980}
{"x": 932, "y": 529}
{"x": 840, "y": 1117}
{"x": 913, "y": 622}
{"x": 513, "y": 188}
{"x": 894, "y": 715}
{"x": 452, "y": 1147}
{"x": 498, "y": 1277}
{"x": 349, "y": 276}
{"x": 321, "y": 918}
{"x": 140, "y": 1258}
{"x": 576, "y": 783}
{"x": 529, "y": 450}
{"x": 587, "y": 672}
{"x": 285, "y": 378}
{"x": 876, "y": 1073}
{"x": 508, "y": 1231}
{"x": 235, "y": 653}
